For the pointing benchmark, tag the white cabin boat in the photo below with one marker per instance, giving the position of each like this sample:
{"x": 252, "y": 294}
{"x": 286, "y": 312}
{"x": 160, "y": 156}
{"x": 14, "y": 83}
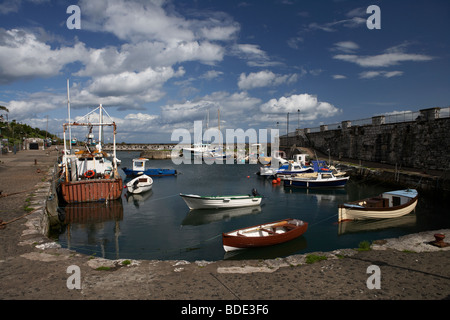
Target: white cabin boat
{"x": 390, "y": 204}
{"x": 316, "y": 180}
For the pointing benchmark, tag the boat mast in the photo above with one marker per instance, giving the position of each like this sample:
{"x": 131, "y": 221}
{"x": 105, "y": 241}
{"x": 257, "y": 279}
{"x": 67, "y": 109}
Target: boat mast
{"x": 100, "y": 117}
{"x": 68, "y": 110}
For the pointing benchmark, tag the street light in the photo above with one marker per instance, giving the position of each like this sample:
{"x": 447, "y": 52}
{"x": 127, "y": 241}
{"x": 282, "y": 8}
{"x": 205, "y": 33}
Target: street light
{"x": 287, "y": 125}
{"x": 298, "y": 125}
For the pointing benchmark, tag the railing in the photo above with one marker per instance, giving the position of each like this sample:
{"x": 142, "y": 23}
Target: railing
{"x": 398, "y": 117}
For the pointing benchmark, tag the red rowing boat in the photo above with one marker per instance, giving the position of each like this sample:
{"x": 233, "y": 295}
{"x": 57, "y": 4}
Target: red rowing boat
{"x": 264, "y": 235}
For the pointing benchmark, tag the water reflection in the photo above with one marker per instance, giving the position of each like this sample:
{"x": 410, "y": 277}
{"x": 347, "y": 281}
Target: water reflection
{"x": 205, "y": 216}
{"x": 92, "y": 212}
{"x": 378, "y": 224}
{"x": 93, "y": 217}
{"x": 138, "y": 200}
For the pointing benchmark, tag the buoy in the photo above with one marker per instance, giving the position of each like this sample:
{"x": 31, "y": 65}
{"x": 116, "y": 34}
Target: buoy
{"x": 274, "y": 181}
{"x": 278, "y": 179}
{"x": 248, "y": 176}
{"x": 89, "y": 174}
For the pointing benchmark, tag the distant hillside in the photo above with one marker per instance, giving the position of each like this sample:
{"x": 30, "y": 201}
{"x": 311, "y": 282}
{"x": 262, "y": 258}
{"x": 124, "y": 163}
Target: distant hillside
{"x": 15, "y": 132}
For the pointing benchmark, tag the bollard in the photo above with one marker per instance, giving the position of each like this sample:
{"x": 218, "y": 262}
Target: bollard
{"x": 439, "y": 241}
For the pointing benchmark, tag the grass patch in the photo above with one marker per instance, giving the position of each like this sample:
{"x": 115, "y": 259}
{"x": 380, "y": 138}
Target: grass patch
{"x": 103, "y": 268}
{"x": 364, "y": 246}
{"x": 126, "y": 262}
{"x": 312, "y": 258}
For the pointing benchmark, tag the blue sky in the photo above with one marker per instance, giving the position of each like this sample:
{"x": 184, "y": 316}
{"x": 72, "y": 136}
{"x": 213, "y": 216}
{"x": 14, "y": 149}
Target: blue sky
{"x": 160, "y": 65}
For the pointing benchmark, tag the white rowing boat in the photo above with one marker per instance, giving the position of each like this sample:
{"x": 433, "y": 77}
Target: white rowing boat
{"x": 387, "y": 205}
{"x": 140, "y": 184}
{"x": 195, "y": 201}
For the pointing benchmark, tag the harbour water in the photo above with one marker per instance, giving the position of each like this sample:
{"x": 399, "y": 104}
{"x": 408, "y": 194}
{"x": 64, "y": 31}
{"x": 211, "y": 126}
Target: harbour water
{"x": 159, "y": 226}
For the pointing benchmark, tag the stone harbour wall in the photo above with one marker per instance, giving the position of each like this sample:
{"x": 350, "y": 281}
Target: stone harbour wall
{"x": 422, "y": 144}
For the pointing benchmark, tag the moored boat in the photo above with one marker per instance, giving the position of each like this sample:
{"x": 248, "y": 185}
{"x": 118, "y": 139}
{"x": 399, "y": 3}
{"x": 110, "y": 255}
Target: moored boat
{"x": 139, "y": 167}
{"x": 293, "y": 167}
{"x": 91, "y": 174}
{"x": 391, "y": 204}
{"x": 140, "y": 184}
{"x": 316, "y": 180}
{"x": 194, "y": 201}
{"x": 264, "y": 234}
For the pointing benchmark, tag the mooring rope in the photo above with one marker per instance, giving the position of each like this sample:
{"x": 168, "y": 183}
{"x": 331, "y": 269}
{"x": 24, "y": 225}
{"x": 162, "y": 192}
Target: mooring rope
{"x": 3, "y": 224}
{"x": 14, "y": 193}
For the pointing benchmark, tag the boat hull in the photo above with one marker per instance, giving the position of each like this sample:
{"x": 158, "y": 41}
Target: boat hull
{"x": 140, "y": 184}
{"x": 262, "y": 236}
{"x": 310, "y": 183}
{"x": 198, "y": 202}
{"x": 91, "y": 190}
{"x": 382, "y": 210}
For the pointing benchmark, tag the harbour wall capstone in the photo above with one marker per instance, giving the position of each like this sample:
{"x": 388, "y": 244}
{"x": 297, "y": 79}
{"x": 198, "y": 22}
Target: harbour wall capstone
{"x": 422, "y": 144}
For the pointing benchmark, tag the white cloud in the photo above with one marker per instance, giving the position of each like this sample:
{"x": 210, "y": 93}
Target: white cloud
{"x": 264, "y": 79}
{"x": 135, "y": 20}
{"x": 152, "y": 20}
{"x": 346, "y": 46}
{"x": 382, "y": 60}
{"x": 30, "y": 105}
{"x": 254, "y": 55}
{"x": 147, "y": 83}
{"x": 23, "y": 55}
{"x": 146, "y": 54}
{"x": 212, "y": 74}
{"x": 234, "y": 109}
{"x": 310, "y": 107}
{"x": 294, "y": 42}
{"x": 339, "y": 76}
{"x": 385, "y": 74}
{"x": 391, "y": 56}
{"x": 353, "y": 22}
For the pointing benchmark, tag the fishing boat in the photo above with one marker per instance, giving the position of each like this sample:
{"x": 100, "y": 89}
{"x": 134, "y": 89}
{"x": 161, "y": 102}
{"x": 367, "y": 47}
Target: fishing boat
{"x": 316, "y": 180}
{"x": 194, "y": 201}
{"x": 89, "y": 174}
{"x": 140, "y": 184}
{"x": 391, "y": 204}
{"x": 139, "y": 167}
{"x": 270, "y": 169}
{"x": 264, "y": 235}
{"x": 295, "y": 166}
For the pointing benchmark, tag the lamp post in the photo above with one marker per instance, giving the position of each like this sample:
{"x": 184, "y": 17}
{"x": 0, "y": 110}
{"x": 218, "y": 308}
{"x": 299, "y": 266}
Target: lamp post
{"x": 287, "y": 125}
{"x": 298, "y": 112}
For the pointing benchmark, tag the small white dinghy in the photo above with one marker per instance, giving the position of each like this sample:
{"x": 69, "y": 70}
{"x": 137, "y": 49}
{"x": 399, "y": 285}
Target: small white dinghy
{"x": 194, "y": 201}
{"x": 140, "y": 184}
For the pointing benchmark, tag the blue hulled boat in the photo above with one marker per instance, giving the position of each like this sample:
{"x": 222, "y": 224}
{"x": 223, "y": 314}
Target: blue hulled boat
{"x": 139, "y": 168}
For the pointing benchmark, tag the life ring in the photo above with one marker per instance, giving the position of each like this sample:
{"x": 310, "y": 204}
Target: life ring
{"x": 89, "y": 174}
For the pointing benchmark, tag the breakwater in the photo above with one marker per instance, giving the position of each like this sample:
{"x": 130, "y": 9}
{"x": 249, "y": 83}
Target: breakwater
{"x": 152, "y": 151}
{"x": 431, "y": 184}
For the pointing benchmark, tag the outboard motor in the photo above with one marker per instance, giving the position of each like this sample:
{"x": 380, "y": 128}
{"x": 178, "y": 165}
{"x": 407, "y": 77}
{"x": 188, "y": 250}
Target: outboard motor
{"x": 255, "y": 192}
